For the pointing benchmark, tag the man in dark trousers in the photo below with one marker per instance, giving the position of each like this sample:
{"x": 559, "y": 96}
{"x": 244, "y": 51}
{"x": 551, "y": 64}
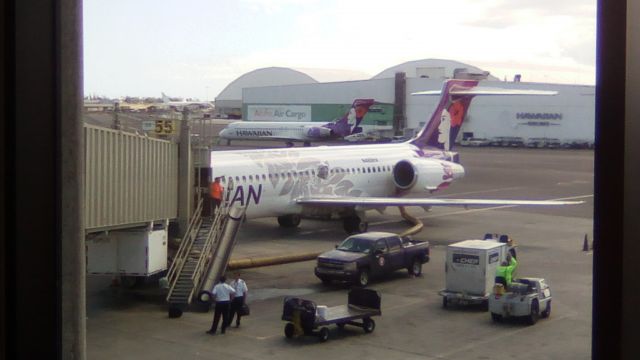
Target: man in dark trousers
{"x": 238, "y": 301}
{"x": 222, "y": 294}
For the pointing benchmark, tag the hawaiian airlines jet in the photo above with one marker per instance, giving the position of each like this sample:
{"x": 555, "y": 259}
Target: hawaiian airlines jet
{"x": 349, "y": 180}
{"x": 299, "y": 131}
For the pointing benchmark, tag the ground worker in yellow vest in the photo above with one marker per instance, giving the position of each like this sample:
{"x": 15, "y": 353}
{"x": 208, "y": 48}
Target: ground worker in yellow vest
{"x": 215, "y": 192}
{"x": 504, "y": 271}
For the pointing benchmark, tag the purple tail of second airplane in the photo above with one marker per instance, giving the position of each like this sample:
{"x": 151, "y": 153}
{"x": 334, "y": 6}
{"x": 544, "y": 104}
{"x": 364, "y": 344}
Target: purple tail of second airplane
{"x": 354, "y": 116}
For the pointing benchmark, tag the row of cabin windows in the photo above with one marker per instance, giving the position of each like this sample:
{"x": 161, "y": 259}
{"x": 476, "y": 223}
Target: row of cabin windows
{"x": 294, "y": 174}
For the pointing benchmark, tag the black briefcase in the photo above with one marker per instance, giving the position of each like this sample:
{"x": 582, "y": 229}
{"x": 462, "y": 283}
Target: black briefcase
{"x": 244, "y": 310}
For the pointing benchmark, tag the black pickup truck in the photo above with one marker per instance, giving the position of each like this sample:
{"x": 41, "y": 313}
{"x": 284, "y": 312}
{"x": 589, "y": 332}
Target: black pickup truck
{"x": 371, "y": 254}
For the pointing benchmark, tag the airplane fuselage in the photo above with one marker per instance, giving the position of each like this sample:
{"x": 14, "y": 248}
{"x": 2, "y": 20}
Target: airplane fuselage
{"x": 269, "y": 181}
{"x": 263, "y": 130}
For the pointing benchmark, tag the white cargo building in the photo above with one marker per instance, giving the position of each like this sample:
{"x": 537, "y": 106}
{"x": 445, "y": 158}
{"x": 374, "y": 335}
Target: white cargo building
{"x": 569, "y": 115}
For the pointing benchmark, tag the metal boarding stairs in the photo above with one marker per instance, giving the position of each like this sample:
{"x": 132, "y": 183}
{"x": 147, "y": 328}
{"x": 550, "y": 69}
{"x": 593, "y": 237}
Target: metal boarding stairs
{"x": 195, "y": 255}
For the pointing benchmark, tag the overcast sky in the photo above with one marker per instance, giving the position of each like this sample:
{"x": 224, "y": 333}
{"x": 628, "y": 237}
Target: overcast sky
{"x": 194, "y": 48}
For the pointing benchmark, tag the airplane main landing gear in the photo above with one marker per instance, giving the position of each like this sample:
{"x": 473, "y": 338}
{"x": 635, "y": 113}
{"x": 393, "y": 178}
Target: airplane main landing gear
{"x": 355, "y": 225}
{"x": 289, "y": 221}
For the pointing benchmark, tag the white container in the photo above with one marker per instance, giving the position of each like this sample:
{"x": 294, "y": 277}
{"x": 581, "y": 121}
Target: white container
{"x": 321, "y": 311}
{"x": 131, "y": 253}
{"x": 471, "y": 265}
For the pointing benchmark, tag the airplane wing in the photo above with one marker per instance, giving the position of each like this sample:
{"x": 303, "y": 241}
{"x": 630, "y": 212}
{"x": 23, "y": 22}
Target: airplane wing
{"x": 489, "y": 91}
{"x": 382, "y": 201}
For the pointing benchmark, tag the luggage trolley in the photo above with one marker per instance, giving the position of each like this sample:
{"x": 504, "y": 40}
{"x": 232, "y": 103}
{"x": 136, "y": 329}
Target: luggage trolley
{"x": 304, "y": 317}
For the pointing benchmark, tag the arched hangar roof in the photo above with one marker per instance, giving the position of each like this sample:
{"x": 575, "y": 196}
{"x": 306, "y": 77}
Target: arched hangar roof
{"x": 418, "y": 68}
{"x": 264, "y": 77}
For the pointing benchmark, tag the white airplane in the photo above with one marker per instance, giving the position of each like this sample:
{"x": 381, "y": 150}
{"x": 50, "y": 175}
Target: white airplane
{"x": 299, "y": 131}
{"x": 349, "y": 180}
{"x": 179, "y": 105}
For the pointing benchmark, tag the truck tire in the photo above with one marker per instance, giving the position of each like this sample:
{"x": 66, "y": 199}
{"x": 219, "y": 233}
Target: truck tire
{"x": 325, "y": 281}
{"x": 445, "y": 302}
{"x": 416, "y": 267}
{"x": 363, "y": 277}
{"x": 289, "y": 329}
{"x": 547, "y": 310}
{"x": 324, "y": 334}
{"x": 534, "y": 312}
{"x": 368, "y": 325}
{"x": 496, "y": 317}
{"x": 289, "y": 221}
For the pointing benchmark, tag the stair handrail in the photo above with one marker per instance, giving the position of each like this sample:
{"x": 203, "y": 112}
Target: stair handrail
{"x": 185, "y": 248}
{"x": 212, "y": 238}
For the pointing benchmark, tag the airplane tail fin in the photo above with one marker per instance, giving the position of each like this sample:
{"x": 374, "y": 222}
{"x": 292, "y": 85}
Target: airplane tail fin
{"x": 455, "y": 98}
{"x": 165, "y": 98}
{"x": 446, "y": 120}
{"x": 353, "y": 117}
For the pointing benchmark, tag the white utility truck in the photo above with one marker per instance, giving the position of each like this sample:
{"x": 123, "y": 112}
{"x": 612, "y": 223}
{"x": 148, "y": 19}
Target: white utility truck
{"x": 525, "y": 297}
{"x": 470, "y": 271}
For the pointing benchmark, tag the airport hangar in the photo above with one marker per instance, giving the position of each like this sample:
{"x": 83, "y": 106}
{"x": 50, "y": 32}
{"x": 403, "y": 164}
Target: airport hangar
{"x": 285, "y": 94}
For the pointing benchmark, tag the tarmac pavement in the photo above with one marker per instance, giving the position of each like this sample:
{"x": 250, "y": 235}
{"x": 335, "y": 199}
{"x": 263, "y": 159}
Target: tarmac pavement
{"x": 127, "y": 325}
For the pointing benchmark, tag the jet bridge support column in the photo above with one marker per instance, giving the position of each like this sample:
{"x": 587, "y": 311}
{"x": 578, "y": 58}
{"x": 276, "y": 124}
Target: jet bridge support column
{"x": 399, "y": 118}
{"x": 185, "y": 183}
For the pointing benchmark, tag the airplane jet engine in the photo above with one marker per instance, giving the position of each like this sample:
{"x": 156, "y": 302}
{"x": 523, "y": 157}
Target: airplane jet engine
{"x": 317, "y": 131}
{"x": 424, "y": 174}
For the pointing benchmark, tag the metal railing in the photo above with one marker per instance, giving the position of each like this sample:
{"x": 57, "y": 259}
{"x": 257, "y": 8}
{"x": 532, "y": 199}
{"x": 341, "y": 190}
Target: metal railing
{"x": 185, "y": 248}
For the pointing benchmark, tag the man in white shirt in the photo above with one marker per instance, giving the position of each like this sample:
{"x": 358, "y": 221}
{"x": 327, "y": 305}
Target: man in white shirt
{"x": 241, "y": 296}
{"x": 222, "y": 294}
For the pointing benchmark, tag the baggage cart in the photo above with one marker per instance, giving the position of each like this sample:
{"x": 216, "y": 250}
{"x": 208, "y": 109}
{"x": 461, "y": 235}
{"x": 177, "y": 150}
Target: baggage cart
{"x": 305, "y": 318}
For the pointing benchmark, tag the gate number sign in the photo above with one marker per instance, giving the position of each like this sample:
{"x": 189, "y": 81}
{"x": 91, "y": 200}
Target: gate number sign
{"x": 164, "y": 127}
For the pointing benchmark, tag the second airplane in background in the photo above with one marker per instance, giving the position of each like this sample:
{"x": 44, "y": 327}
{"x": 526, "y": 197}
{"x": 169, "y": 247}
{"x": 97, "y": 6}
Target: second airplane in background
{"x": 299, "y": 131}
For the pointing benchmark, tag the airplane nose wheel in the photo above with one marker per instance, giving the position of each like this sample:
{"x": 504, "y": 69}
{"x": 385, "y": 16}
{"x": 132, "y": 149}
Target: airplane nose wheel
{"x": 355, "y": 225}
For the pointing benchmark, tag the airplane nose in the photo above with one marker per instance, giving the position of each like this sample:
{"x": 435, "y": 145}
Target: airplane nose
{"x": 458, "y": 171}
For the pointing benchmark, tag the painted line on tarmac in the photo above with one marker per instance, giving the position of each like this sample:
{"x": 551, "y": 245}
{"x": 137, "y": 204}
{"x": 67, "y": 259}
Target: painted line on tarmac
{"x": 475, "y": 344}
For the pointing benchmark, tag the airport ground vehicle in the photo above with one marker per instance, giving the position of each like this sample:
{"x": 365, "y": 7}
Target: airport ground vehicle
{"x": 304, "y": 316}
{"x": 553, "y": 143}
{"x": 525, "y": 297}
{"x": 474, "y": 142}
{"x": 576, "y": 144}
{"x": 535, "y": 142}
{"x": 362, "y": 256}
{"x": 510, "y": 141}
{"x": 470, "y": 269}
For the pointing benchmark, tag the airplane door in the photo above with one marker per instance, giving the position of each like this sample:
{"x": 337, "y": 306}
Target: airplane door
{"x": 396, "y": 253}
{"x": 323, "y": 172}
